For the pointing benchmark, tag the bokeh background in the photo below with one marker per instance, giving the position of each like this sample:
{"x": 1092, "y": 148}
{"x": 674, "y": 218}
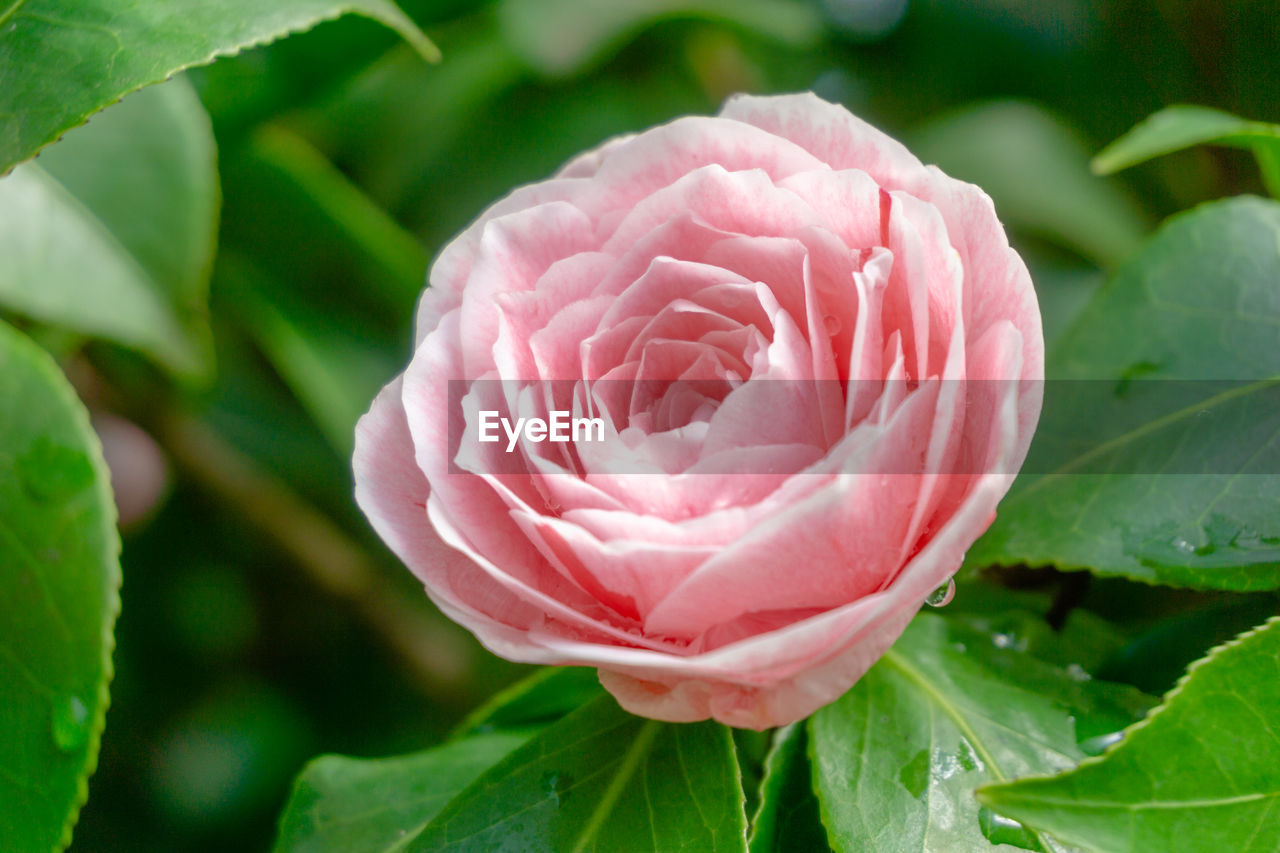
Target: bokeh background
{"x": 262, "y": 621}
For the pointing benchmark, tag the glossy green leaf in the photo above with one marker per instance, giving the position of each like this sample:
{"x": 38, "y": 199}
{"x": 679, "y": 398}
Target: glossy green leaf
{"x": 1036, "y": 169}
{"x": 896, "y": 759}
{"x": 1182, "y": 126}
{"x": 111, "y": 232}
{"x": 602, "y": 780}
{"x": 59, "y": 596}
{"x": 1199, "y": 774}
{"x": 787, "y": 817}
{"x": 341, "y": 804}
{"x": 1163, "y": 481}
{"x": 561, "y": 37}
{"x": 64, "y": 60}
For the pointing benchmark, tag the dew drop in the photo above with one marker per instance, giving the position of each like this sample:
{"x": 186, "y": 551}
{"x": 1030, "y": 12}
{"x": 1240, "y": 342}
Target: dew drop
{"x": 556, "y": 786}
{"x": 70, "y": 723}
{"x": 1101, "y": 743}
{"x": 942, "y": 596}
{"x": 1002, "y": 830}
{"x": 1078, "y": 673}
{"x": 968, "y": 756}
{"x": 831, "y": 323}
{"x": 1183, "y": 546}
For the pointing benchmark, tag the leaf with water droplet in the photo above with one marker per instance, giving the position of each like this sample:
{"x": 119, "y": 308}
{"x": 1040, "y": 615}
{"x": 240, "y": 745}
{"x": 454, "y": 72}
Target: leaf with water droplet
{"x": 59, "y": 582}
{"x": 1003, "y": 830}
{"x": 1195, "y": 428}
{"x": 927, "y": 724}
{"x": 1198, "y": 774}
{"x": 1101, "y": 743}
{"x": 1219, "y": 545}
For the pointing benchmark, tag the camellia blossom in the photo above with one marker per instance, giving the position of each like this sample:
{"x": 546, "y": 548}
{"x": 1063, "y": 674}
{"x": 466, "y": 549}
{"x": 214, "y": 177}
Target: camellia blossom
{"x": 816, "y": 363}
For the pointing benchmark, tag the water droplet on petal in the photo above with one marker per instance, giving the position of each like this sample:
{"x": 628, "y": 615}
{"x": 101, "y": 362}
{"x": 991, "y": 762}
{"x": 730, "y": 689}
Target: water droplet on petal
{"x": 942, "y": 596}
{"x": 70, "y": 723}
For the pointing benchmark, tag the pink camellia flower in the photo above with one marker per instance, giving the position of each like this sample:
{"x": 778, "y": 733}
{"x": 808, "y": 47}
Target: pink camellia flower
{"x": 806, "y": 368}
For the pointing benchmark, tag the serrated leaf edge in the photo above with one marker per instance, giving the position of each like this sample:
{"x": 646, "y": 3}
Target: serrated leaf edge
{"x": 396, "y": 20}
{"x": 43, "y": 362}
{"x": 1155, "y": 712}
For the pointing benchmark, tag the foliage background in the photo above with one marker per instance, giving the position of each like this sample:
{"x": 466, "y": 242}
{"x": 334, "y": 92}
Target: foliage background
{"x": 262, "y": 622}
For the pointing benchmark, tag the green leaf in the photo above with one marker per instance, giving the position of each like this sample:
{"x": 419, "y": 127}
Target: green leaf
{"x": 1036, "y": 169}
{"x": 787, "y": 818}
{"x": 602, "y": 780}
{"x": 544, "y": 697}
{"x": 1182, "y": 126}
{"x": 562, "y": 37}
{"x": 111, "y": 233}
{"x": 895, "y": 760}
{"x": 1163, "y": 481}
{"x": 393, "y": 262}
{"x": 332, "y": 372}
{"x": 66, "y": 60}
{"x": 59, "y": 596}
{"x": 341, "y": 804}
{"x": 1199, "y": 774}
{"x": 395, "y": 123}
{"x": 1156, "y": 658}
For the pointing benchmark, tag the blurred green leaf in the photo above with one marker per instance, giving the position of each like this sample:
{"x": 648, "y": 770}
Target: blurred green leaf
{"x": 602, "y": 780}
{"x": 111, "y": 233}
{"x": 393, "y": 262}
{"x": 348, "y": 804}
{"x": 1036, "y": 169}
{"x": 1159, "y": 480}
{"x": 394, "y": 122}
{"x": 229, "y": 753}
{"x": 563, "y": 37}
{"x": 317, "y": 237}
{"x": 1154, "y": 659}
{"x": 948, "y": 708}
{"x": 1199, "y": 774}
{"x": 59, "y": 596}
{"x": 333, "y": 373}
{"x": 787, "y": 817}
{"x": 1183, "y": 126}
{"x": 65, "y": 60}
